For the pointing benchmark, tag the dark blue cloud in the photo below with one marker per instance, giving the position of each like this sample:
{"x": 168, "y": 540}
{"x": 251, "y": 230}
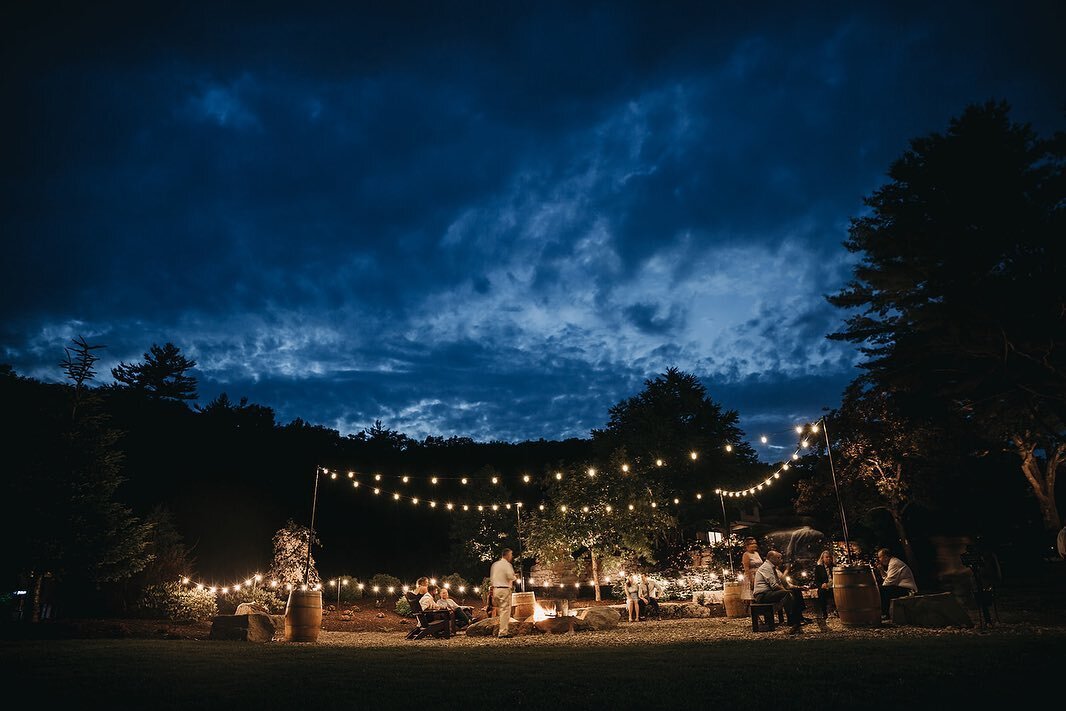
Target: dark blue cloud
{"x": 474, "y": 219}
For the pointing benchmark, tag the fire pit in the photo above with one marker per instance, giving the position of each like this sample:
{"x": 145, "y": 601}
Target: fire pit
{"x": 554, "y": 617}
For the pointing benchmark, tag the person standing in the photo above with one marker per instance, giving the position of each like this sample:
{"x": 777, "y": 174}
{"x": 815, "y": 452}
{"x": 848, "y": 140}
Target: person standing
{"x": 897, "y": 579}
{"x": 823, "y": 582}
{"x": 501, "y": 577}
{"x": 769, "y": 588}
{"x": 749, "y": 562}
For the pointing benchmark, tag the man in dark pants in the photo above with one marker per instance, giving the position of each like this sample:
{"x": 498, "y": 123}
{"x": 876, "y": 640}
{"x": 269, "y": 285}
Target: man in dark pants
{"x": 648, "y": 597}
{"x": 769, "y": 588}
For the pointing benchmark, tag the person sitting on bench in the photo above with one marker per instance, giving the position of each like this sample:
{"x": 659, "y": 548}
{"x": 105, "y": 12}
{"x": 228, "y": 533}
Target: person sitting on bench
{"x": 770, "y": 589}
{"x": 648, "y": 597}
{"x": 897, "y": 579}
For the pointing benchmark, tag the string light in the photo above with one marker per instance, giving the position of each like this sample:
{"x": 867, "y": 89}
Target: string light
{"x": 591, "y": 471}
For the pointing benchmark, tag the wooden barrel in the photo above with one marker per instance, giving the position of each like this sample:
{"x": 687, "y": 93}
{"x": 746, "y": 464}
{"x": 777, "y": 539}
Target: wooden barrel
{"x": 858, "y": 601}
{"x": 303, "y": 616}
{"x": 734, "y": 604}
{"x": 523, "y": 605}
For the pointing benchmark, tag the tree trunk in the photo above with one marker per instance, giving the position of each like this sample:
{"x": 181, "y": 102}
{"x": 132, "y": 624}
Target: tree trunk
{"x": 595, "y": 573}
{"x": 35, "y": 601}
{"x": 901, "y": 531}
{"x": 1042, "y": 480}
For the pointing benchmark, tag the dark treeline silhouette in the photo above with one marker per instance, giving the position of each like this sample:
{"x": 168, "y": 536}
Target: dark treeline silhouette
{"x": 958, "y": 302}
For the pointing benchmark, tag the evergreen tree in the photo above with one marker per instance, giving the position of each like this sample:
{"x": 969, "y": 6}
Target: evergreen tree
{"x": 61, "y": 496}
{"x": 162, "y": 374}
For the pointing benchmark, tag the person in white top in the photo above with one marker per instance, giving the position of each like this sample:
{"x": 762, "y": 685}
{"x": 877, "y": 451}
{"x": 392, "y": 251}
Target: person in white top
{"x": 501, "y": 578}
{"x": 770, "y": 588}
{"x": 446, "y": 602}
{"x": 897, "y": 579}
{"x": 749, "y": 562}
{"x": 427, "y": 600}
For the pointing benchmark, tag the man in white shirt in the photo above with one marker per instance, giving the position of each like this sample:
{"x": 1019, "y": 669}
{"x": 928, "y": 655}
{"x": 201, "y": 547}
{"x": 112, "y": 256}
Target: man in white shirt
{"x": 897, "y": 580}
{"x": 462, "y": 619}
{"x": 648, "y": 594}
{"x": 501, "y": 578}
{"x": 769, "y": 589}
{"x": 427, "y": 600}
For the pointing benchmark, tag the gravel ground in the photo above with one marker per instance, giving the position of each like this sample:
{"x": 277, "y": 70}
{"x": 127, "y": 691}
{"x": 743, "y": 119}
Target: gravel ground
{"x": 680, "y": 631}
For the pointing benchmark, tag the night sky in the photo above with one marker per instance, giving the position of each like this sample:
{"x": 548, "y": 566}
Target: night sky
{"x": 491, "y": 220}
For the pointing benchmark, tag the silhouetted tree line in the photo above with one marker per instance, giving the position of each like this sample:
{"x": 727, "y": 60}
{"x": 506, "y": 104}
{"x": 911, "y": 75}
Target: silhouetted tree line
{"x": 957, "y": 422}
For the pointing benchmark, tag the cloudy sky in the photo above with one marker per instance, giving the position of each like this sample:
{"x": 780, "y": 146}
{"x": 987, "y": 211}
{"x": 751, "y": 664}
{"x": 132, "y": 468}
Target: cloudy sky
{"x": 485, "y": 219}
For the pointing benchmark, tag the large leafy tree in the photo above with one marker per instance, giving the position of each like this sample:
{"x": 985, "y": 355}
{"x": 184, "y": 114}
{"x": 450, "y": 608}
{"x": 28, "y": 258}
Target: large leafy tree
{"x": 659, "y": 429}
{"x": 162, "y": 374}
{"x": 883, "y": 459}
{"x": 598, "y": 515}
{"x": 960, "y": 293}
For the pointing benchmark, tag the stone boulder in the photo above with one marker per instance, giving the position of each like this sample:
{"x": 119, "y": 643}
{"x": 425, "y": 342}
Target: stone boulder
{"x": 251, "y": 608}
{"x": 243, "y": 628}
{"x": 599, "y": 618}
{"x": 938, "y": 610}
{"x": 486, "y": 627}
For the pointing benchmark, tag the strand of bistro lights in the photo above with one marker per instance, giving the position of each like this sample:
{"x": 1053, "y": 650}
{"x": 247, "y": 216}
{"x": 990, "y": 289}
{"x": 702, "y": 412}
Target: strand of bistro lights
{"x": 249, "y": 582}
{"x": 591, "y": 472}
{"x": 811, "y": 429}
{"x": 376, "y": 589}
{"x": 496, "y": 479}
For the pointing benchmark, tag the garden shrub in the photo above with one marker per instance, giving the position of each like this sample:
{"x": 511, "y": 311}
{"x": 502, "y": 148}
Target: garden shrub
{"x": 403, "y": 608}
{"x": 263, "y": 596}
{"x": 177, "y": 602}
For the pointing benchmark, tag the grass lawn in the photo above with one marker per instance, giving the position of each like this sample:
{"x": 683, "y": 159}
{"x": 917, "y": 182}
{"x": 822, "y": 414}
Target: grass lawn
{"x": 949, "y": 672}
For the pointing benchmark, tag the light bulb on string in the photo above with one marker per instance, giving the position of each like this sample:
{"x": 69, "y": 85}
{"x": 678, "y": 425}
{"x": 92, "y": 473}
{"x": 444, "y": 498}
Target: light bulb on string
{"x": 463, "y": 480}
{"x": 351, "y": 475}
{"x": 763, "y": 439}
{"x": 729, "y": 448}
{"x": 406, "y": 479}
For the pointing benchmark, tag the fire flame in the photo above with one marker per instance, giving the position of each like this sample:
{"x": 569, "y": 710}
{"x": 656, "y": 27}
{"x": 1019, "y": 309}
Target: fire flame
{"x": 539, "y": 613}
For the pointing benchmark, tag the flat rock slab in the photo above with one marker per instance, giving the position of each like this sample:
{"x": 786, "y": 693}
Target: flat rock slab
{"x": 938, "y": 610}
{"x": 243, "y": 628}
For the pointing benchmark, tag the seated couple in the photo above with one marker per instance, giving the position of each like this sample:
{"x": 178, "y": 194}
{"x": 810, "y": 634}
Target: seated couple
{"x": 432, "y": 598}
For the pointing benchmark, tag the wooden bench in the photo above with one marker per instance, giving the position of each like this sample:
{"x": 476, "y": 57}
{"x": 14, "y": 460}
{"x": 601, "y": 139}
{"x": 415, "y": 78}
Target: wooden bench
{"x": 766, "y": 610}
{"x": 435, "y": 623}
